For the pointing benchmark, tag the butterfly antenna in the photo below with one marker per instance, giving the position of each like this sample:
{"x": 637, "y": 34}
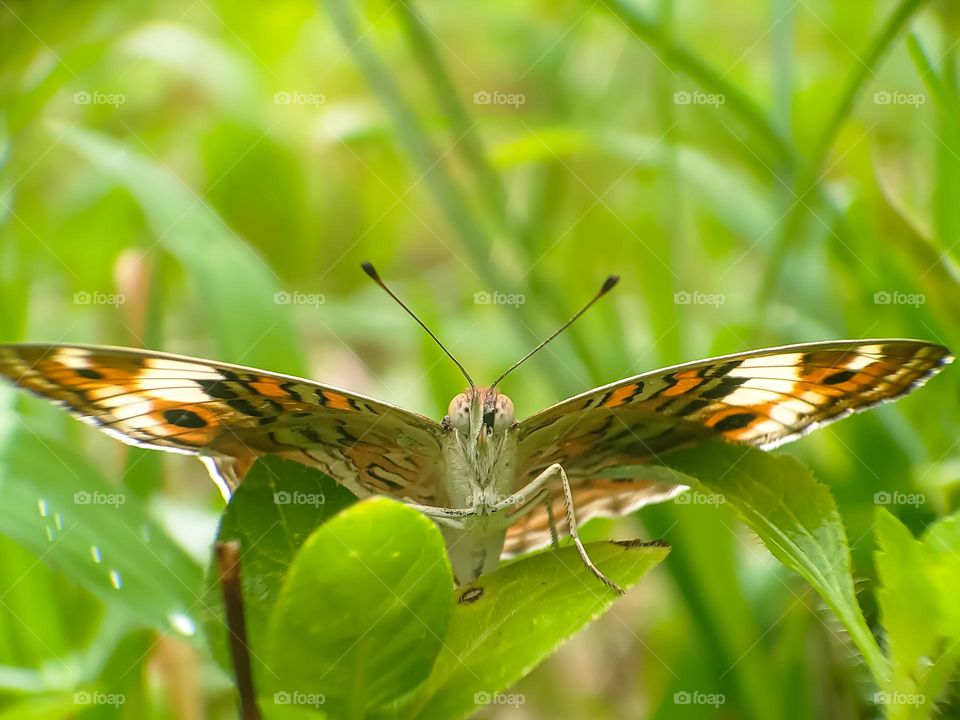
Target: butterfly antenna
{"x": 375, "y": 276}
{"x": 607, "y": 286}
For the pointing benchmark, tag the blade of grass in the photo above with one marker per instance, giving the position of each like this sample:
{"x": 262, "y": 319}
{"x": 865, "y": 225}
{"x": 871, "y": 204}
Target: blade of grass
{"x": 808, "y": 175}
{"x": 469, "y": 147}
{"x": 683, "y": 60}
{"x": 230, "y": 277}
{"x": 414, "y": 138}
{"x": 454, "y": 203}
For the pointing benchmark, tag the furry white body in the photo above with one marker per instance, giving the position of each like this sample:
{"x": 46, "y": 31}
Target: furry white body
{"x": 480, "y": 475}
{"x": 480, "y": 450}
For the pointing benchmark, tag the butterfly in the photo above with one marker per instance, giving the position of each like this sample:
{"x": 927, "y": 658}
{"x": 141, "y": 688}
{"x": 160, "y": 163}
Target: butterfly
{"x": 496, "y": 487}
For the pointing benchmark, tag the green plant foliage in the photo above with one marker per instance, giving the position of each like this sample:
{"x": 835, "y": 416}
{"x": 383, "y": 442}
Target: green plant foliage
{"x": 352, "y": 610}
{"x": 524, "y": 612}
{"x": 918, "y": 612}
{"x": 102, "y": 537}
{"x": 205, "y": 178}
{"x": 363, "y": 611}
{"x": 796, "y": 518}
{"x": 230, "y": 278}
{"x": 271, "y": 515}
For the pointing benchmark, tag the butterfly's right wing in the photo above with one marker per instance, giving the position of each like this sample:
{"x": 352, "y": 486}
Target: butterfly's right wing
{"x": 761, "y": 398}
{"x": 228, "y": 415}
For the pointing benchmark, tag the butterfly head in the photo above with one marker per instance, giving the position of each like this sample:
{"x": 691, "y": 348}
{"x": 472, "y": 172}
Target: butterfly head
{"x": 481, "y": 412}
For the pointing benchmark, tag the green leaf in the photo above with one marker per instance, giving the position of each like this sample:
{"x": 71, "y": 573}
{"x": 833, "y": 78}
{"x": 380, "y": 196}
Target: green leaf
{"x": 908, "y": 611}
{"x": 942, "y": 551}
{"x": 273, "y": 512}
{"x": 231, "y": 278}
{"x": 100, "y": 536}
{"x": 363, "y": 611}
{"x": 41, "y": 708}
{"x": 941, "y": 547}
{"x": 796, "y": 518}
{"x": 506, "y": 623}
{"x": 908, "y": 603}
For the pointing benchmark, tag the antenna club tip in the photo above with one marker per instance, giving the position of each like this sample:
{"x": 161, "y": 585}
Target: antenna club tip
{"x": 609, "y": 284}
{"x": 370, "y": 270}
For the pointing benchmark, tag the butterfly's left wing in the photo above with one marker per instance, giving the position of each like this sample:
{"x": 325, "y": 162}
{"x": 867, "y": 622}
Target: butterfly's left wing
{"x": 762, "y": 398}
{"x": 228, "y": 415}
{"x": 599, "y": 497}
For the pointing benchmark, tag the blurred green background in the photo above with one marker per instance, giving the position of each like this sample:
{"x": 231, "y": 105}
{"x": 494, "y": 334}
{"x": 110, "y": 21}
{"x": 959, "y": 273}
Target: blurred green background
{"x": 204, "y": 177}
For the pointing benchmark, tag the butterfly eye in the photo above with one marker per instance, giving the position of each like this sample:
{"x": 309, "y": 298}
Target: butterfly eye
{"x": 503, "y": 414}
{"x": 459, "y": 412}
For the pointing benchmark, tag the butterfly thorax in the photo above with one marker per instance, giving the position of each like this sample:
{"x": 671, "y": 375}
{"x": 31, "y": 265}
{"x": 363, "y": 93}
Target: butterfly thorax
{"x": 479, "y": 448}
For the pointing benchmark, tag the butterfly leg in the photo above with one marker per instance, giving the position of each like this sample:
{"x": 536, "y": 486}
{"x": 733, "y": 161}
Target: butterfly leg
{"x": 451, "y": 517}
{"x": 546, "y": 498}
{"x": 554, "y": 535}
{"x": 531, "y": 492}
{"x": 225, "y": 471}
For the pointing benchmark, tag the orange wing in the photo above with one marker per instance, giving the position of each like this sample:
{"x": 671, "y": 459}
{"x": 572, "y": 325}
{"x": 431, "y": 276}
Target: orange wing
{"x": 229, "y": 414}
{"x": 762, "y": 398}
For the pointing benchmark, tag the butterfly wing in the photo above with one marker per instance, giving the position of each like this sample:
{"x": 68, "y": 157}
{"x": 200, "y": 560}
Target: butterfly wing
{"x": 600, "y": 497}
{"x": 228, "y": 415}
{"x": 762, "y": 398}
